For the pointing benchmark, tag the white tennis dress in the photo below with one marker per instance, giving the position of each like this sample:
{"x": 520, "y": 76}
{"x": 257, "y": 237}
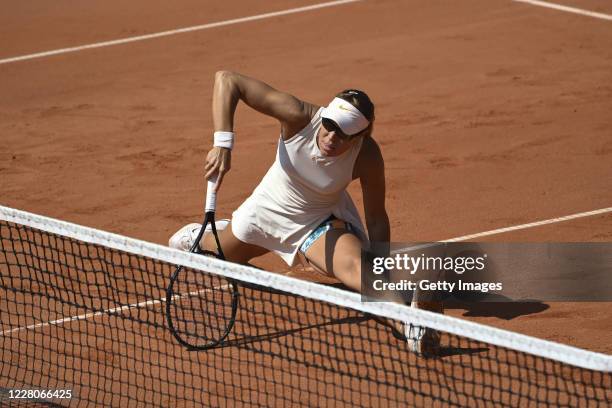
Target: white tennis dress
{"x": 299, "y": 191}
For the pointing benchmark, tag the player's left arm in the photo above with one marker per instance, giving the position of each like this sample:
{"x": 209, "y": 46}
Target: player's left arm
{"x": 370, "y": 168}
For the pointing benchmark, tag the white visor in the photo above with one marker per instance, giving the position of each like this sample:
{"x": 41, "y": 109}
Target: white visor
{"x": 350, "y": 120}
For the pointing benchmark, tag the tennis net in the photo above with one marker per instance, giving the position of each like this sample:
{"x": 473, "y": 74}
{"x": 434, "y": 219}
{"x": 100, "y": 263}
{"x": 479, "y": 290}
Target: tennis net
{"x": 82, "y": 310}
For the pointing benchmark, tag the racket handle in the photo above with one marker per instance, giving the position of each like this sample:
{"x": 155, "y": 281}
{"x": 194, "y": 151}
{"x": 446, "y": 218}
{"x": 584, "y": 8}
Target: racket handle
{"x": 211, "y": 195}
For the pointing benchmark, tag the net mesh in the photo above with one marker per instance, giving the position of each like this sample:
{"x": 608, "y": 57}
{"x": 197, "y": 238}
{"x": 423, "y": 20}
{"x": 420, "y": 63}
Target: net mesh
{"x": 89, "y": 318}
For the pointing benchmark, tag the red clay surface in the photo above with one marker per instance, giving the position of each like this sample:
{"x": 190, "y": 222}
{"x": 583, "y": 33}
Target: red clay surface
{"x": 489, "y": 114}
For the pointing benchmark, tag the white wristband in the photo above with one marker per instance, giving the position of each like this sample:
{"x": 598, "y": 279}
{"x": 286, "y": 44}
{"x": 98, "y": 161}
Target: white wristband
{"x": 224, "y": 139}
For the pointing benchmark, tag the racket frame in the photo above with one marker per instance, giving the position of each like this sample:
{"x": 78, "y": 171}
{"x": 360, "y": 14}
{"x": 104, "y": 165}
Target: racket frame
{"x": 209, "y": 218}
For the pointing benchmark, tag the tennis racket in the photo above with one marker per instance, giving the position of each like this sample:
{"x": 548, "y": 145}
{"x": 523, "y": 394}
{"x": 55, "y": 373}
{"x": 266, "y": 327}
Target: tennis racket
{"x": 201, "y": 307}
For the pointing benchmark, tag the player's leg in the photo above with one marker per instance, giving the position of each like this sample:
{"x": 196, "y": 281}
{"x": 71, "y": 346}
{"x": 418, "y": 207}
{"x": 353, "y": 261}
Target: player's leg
{"x": 337, "y": 252}
{"x": 233, "y": 249}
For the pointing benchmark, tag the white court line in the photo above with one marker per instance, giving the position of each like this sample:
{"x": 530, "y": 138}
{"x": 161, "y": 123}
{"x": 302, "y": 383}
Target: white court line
{"x": 105, "y": 312}
{"x": 567, "y": 9}
{"x": 178, "y": 31}
{"x": 509, "y": 229}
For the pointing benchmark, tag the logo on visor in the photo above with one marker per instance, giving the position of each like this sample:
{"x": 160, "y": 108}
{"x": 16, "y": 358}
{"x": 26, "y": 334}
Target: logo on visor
{"x": 344, "y": 108}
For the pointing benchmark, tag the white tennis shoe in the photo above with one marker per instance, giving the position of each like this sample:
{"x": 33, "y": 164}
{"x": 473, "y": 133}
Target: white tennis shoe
{"x": 184, "y": 238}
{"x": 421, "y": 340}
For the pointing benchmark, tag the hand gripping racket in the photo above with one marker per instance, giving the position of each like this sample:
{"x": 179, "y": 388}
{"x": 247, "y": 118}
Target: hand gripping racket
{"x": 201, "y": 307}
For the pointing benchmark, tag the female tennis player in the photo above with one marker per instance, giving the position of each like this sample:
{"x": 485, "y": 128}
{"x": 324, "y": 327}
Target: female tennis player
{"x": 301, "y": 209}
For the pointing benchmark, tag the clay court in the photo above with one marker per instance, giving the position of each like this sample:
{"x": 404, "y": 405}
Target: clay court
{"x": 489, "y": 114}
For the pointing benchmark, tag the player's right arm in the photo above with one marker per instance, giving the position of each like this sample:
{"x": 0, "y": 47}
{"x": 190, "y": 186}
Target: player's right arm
{"x": 230, "y": 88}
